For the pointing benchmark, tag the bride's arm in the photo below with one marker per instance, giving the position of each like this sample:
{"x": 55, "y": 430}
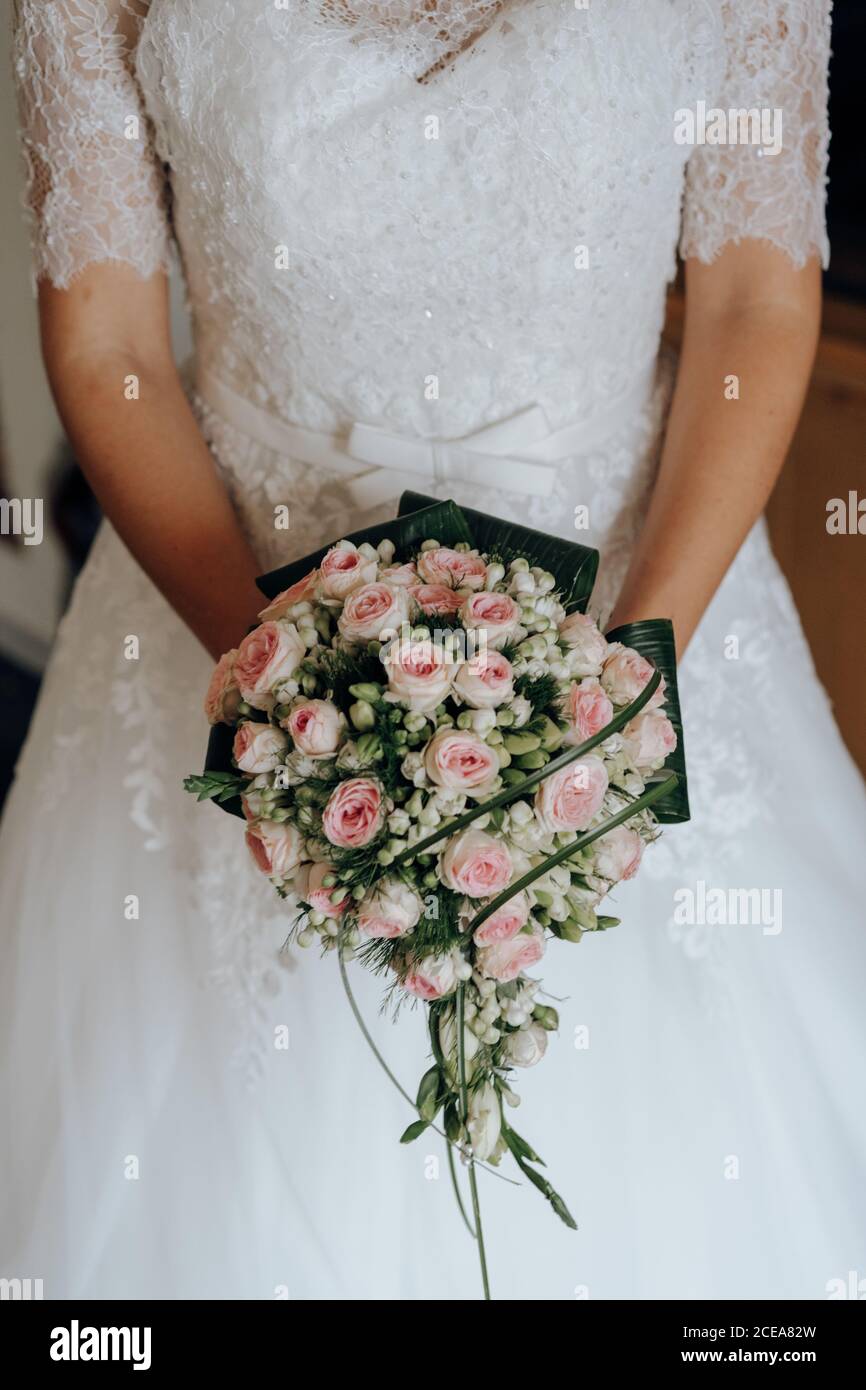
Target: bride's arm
{"x": 753, "y": 316}
{"x": 753, "y": 238}
{"x": 95, "y": 193}
{"x": 145, "y": 458}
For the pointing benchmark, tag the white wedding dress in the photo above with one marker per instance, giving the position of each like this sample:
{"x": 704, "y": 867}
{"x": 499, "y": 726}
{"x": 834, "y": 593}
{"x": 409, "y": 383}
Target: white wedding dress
{"x": 380, "y": 220}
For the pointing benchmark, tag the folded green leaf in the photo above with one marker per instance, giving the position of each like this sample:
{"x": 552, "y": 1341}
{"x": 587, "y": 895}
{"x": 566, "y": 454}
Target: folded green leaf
{"x": 413, "y": 1131}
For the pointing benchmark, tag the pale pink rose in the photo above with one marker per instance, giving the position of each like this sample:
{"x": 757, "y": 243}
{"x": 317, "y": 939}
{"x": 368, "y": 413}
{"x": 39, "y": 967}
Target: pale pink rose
{"x": 497, "y": 615}
{"x": 460, "y": 761}
{"x": 402, "y": 576}
{"x": 436, "y": 599}
{"x": 276, "y": 846}
{"x": 316, "y": 727}
{"x": 431, "y": 978}
{"x": 343, "y": 570}
{"x": 371, "y": 610}
{"x": 476, "y": 864}
{"x": 588, "y": 647}
{"x": 392, "y": 909}
{"x": 505, "y": 960}
{"x": 625, "y": 673}
{"x": 310, "y": 889}
{"x": 278, "y": 607}
{"x": 267, "y": 655}
{"x": 353, "y": 813}
{"x": 587, "y": 708}
{"x": 258, "y": 747}
{"x": 485, "y": 681}
{"x": 568, "y": 799}
{"x": 419, "y": 674}
{"x": 648, "y": 739}
{"x": 457, "y": 569}
{"x": 617, "y": 854}
{"x": 505, "y": 922}
{"x": 223, "y": 696}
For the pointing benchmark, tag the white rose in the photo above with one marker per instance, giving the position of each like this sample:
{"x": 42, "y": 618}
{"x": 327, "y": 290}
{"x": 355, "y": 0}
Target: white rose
{"x": 527, "y": 1046}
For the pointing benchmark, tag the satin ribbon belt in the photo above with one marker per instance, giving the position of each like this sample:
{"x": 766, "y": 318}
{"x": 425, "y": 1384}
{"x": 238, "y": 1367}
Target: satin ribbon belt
{"x": 519, "y": 455}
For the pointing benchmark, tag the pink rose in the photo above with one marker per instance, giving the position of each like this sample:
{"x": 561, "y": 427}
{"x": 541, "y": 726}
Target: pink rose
{"x": 432, "y": 978}
{"x": 458, "y": 569}
{"x": 505, "y": 922}
{"x": 276, "y": 846}
{"x": 497, "y": 615}
{"x": 587, "y": 708}
{"x": 267, "y": 655}
{"x": 419, "y": 674}
{"x": 353, "y": 813}
{"x": 568, "y": 799}
{"x": 343, "y": 570}
{"x": 485, "y": 681}
{"x": 372, "y": 609}
{"x": 310, "y": 889}
{"x": 258, "y": 747}
{"x": 403, "y": 576}
{"x": 393, "y": 909}
{"x": 587, "y": 646}
{"x": 505, "y": 960}
{"x": 648, "y": 739}
{"x": 617, "y": 854}
{"x": 476, "y": 864}
{"x": 298, "y": 593}
{"x": 223, "y": 696}
{"x": 624, "y": 675}
{"x": 316, "y": 727}
{"x": 460, "y": 761}
{"x": 436, "y": 599}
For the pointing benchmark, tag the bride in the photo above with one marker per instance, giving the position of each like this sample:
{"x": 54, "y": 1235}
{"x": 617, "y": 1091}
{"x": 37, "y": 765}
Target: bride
{"x": 426, "y": 218}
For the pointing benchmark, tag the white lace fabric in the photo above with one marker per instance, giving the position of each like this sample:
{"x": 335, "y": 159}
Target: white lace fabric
{"x": 429, "y": 172}
{"x": 94, "y": 190}
{"x": 776, "y": 57}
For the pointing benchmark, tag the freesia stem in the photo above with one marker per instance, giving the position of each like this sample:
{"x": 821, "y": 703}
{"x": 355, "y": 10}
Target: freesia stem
{"x": 464, "y": 1104}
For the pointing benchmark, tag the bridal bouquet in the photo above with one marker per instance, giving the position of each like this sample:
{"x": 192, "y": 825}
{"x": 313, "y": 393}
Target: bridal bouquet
{"x": 446, "y": 766}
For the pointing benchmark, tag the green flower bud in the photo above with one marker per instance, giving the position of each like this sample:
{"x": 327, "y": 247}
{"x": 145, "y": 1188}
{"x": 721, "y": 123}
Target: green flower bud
{"x": 505, "y": 717}
{"x": 366, "y": 690}
{"x": 521, "y": 743}
{"x": 546, "y": 1016}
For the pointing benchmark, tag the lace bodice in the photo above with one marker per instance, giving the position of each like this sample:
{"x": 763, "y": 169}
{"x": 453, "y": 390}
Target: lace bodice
{"x": 426, "y": 215}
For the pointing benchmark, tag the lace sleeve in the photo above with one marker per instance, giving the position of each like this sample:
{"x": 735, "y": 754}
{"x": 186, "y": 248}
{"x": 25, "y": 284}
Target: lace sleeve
{"x": 94, "y": 189}
{"x": 777, "y": 58}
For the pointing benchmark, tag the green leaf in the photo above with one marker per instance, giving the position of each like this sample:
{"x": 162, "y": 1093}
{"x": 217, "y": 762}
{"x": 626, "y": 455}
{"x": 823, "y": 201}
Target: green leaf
{"x": 413, "y": 1131}
{"x": 428, "y": 1092}
{"x": 516, "y": 1143}
{"x": 544, "y": 1186}
{"x": 654, "y": 639}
